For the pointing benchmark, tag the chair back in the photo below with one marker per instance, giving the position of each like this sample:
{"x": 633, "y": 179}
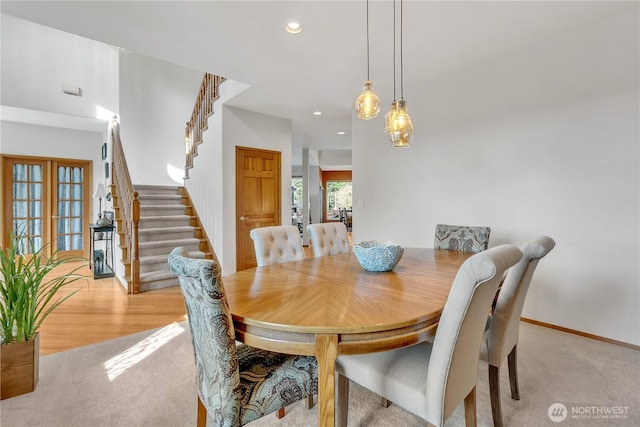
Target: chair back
{"x": 277, "y": 244}
{"x": 504, "y": 327}
{"x": 213, "y": 337}
{"x": 329, "y": 238}
{"x": 453, "y": 365}
{"x": 461, "y": 238}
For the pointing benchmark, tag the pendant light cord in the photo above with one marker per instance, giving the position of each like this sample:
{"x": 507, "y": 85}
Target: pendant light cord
{"x": 394, "y": 50}
{"x": 368, "y": 40}
{"x": 401, "y": 67}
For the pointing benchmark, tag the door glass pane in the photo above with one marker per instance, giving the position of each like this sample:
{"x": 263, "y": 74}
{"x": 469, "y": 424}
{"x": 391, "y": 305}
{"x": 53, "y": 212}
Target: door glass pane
{"x": 35, "y": 190}
{"x": 19, "y": 209}
{"x": 76, "y": 242}
{"x": 35, "y": 226}
{"x": 63, "y": 225}
{"x": 63, "y": 174}
{"x": 19, "y": 190}
{"x": 70, "y": 207}
{"x": 27, "y": 207}
{"x": 35, "y": 172}
{"x": 19, "y": 172}
{"x": 63, "y": 208}
{"x": 63, "y": 191}
{"x": 76, "y": 191}
{"x": 63, "y": 242}
{"x": 77, "y": 175}
{"x": 35, "y": 208}
{"x": 76, "y": 208}
{"x": 76, "y": 225}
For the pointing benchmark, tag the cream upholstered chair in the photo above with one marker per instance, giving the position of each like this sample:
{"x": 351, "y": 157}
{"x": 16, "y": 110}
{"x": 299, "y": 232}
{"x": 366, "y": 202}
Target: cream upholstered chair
{"x": 503, "y": 326}
{"x": 461, "y": 238}
{"x": 275, "y": 245}
{"x": 431, "y": 379}
{"x": 236, "y": 384}
{"x": 329, "y": 238}
{"x": 280, "y": 243}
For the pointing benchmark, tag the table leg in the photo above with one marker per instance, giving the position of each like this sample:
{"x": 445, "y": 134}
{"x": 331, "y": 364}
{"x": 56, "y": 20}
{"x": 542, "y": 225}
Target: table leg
{"x": 326, "y": 354}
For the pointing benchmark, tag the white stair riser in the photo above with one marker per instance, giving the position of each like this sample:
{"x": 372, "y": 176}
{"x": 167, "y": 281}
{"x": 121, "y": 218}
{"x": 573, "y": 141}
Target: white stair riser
{"x": 162, "y": 211}
{"x": 159, "y": 284}
{"x": 155, "y": 237}
{"x": 160, "y": 222}
{"x": 155, "y": 190}
{"x": 151, "y": 267}
{"x": 160, "y": 200}
{"x": 166, "y": 249}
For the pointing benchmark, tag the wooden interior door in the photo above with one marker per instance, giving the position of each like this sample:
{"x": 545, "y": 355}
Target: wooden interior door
{"x": 257, "y": 198}
{"x": 48, "y": 201}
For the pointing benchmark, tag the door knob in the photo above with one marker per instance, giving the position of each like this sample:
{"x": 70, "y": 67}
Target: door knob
{"x": 244, "y": 218}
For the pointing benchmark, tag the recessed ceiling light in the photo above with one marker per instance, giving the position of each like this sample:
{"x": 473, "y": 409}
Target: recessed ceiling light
{"x": 341, "y": 132}
{"x": 317, "y": 113}
{"x": 293, "y": 28}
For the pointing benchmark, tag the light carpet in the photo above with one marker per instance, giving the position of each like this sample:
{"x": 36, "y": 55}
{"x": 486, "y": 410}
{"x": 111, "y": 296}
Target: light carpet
{"x": 147, "y": 379}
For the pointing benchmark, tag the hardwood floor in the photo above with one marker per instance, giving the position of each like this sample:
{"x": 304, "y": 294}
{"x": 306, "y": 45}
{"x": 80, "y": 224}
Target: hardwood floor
{"x": 103, "y": 310}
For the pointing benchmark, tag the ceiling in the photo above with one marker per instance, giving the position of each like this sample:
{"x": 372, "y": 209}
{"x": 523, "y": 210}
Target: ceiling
{"x": 324, "y": 67}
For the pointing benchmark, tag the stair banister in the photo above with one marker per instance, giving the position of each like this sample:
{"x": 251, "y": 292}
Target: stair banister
{"x": 127, "y": 209}
{"x": 197, "y": 123}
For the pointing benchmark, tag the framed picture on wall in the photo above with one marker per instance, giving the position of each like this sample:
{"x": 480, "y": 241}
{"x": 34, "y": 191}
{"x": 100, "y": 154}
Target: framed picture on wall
{"x": 106, "y": 170}
{"x": 104, "y": 151}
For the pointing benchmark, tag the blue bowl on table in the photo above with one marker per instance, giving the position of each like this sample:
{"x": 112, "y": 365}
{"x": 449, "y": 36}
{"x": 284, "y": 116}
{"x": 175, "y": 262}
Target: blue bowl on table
{"x": 378, "y": 256}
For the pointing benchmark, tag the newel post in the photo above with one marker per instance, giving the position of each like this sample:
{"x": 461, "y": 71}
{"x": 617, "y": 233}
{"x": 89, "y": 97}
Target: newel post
{"x": 135, "y": 258}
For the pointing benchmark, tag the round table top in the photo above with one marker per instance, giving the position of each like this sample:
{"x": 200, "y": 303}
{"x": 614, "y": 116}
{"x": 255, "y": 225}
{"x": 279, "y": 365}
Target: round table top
{"x": 334, "y": 294}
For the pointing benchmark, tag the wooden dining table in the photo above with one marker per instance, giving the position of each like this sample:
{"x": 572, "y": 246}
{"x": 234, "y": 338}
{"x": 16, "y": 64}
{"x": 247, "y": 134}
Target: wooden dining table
{"x": 329, "y": 306}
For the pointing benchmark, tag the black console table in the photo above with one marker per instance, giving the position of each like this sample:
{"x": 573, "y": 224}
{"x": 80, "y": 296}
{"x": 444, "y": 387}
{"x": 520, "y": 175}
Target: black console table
{"x": 101, "y": 250}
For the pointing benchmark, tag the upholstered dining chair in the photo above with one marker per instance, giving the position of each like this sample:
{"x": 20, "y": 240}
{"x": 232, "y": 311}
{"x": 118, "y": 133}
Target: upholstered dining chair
{"x": 276, "y": 244}
{"x": 461, "y": 238}
{"x": 431, "y": 379}
{"x": 503, "y": 326}
{"x": 236, "y": 384}
{"x": 329, "y": 238}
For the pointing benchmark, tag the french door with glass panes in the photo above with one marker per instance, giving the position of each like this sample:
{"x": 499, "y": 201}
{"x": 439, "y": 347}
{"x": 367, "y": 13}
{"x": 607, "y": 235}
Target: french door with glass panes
{"x": 48, "y": 201}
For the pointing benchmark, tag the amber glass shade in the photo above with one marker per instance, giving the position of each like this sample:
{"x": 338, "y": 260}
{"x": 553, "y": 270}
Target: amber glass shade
{"x": 390, "y": 116}
{"x": 400, "y": 126}
{"x": 368, "y": 103}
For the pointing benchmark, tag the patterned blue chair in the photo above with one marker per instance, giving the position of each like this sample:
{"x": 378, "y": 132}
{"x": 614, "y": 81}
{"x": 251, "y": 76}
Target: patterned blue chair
{"x": 461, "y": 238}
{"x": 236, "y": 384}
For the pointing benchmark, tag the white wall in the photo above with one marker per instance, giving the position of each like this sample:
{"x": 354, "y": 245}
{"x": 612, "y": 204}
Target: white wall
{"x": 38, "y": 61}
{"x": 207, "y": 178}
{"x": 156, "y": 101}
{"x": 212, "y": 183}
{"x": 544, "y": 141}
{"x": 249, "y": 129}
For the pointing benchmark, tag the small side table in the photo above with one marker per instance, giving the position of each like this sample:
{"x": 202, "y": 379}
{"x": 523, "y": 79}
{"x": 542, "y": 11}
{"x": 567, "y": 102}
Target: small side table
{"x": 101, "y": 250}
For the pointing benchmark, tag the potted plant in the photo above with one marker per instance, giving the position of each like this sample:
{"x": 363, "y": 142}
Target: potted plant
{"x": 28, "y": 285}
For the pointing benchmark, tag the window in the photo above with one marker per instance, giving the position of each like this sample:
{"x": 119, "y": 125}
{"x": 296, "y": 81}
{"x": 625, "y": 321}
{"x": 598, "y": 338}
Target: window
{"x": 339, "y": 200}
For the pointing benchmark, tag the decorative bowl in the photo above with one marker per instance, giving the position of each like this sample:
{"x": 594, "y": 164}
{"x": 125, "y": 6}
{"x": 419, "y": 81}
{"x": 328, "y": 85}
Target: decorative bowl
{"x": 378, "y": 256}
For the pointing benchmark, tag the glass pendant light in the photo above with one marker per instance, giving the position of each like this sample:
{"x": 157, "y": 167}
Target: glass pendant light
{"x": 401, "y": 128}
{"x": 398, "y": 123}
{"x": 367, "y": 104}
{"x": 390, "y": 117}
